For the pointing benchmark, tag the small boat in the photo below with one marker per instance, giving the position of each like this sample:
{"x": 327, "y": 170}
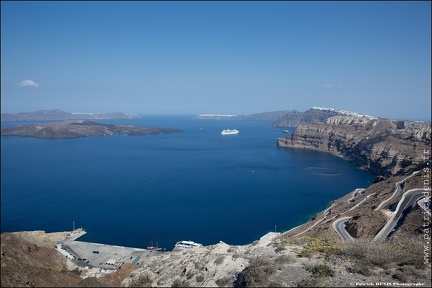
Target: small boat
{"x": 187, "y": 245}
{"x": 285, "y": 131}
{"x": 153, "y": 248}
{"x": 230, "y": 131}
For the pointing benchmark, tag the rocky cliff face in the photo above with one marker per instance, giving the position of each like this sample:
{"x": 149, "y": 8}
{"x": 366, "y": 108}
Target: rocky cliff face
{"x": 295, "y": 118}
{"x": 382, "y": 146}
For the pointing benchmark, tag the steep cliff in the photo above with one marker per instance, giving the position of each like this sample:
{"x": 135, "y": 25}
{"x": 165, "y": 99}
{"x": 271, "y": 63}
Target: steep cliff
{"x": 382, "y": 146}
{"x": 295, "y": 118}
{"x": 314, "y": 114}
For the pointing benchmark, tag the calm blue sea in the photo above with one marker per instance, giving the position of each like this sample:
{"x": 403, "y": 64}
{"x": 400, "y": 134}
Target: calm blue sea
{"x": 196, "y": 185}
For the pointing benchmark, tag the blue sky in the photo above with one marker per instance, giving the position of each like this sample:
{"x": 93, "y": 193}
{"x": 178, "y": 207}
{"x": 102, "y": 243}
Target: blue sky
{"x": 217, "y": 57}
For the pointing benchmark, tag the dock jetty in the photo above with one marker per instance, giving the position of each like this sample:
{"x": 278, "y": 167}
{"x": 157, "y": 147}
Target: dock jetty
{"x": 96, "y": 255}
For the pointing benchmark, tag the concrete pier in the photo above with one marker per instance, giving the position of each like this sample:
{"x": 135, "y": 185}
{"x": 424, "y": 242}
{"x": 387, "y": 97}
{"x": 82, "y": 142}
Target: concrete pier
{"x": 110, "y": 257}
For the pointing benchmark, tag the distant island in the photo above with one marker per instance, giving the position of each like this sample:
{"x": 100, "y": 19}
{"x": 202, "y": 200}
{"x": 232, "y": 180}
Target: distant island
{"x": 288, "y": 118}
{"x": 265, "y": 116}
{"x": 62, "y": 115}
{"x": 80, "y": 128}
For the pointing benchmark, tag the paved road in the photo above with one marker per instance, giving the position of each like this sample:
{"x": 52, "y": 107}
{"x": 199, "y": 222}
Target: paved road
{"x": 397, "y": 191}
{"x": 409, "y": 199}
{"x": 358, "y": 204}
{"x": 339, "y": 226}
{"x": 356, "y": 193}
{"x": 106, "y": 256}
{"x": 109, "y": 257}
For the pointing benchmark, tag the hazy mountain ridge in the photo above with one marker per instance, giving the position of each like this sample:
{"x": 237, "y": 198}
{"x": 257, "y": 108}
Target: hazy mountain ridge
{"x": 62, "y": 115}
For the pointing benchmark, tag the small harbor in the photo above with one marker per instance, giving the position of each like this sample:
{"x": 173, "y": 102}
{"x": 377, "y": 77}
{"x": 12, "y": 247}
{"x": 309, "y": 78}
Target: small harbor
{"x": 95, "y": 255}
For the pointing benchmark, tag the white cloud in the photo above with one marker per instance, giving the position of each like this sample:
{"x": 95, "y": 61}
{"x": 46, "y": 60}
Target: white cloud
{"x": 331, "y": 86}
{"x": 28, "y": 83}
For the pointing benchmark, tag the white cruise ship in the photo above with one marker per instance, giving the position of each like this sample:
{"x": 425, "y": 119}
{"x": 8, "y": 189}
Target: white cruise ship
{"x": 187, "y": 245}
{"x": 229, "y": 131}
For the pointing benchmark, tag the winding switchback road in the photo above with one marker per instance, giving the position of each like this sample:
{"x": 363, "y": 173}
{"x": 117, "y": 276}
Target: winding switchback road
{"x": 397, "y": 191}
{"x": 409, "y": 199}
{"x": 339, "y": 227}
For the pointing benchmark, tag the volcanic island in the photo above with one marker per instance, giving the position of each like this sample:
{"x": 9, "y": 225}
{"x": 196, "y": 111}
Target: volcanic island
{"x": 80, "y": 128}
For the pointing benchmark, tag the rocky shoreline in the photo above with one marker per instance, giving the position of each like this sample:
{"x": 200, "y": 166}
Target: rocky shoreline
{"x": 384, "y": 147}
